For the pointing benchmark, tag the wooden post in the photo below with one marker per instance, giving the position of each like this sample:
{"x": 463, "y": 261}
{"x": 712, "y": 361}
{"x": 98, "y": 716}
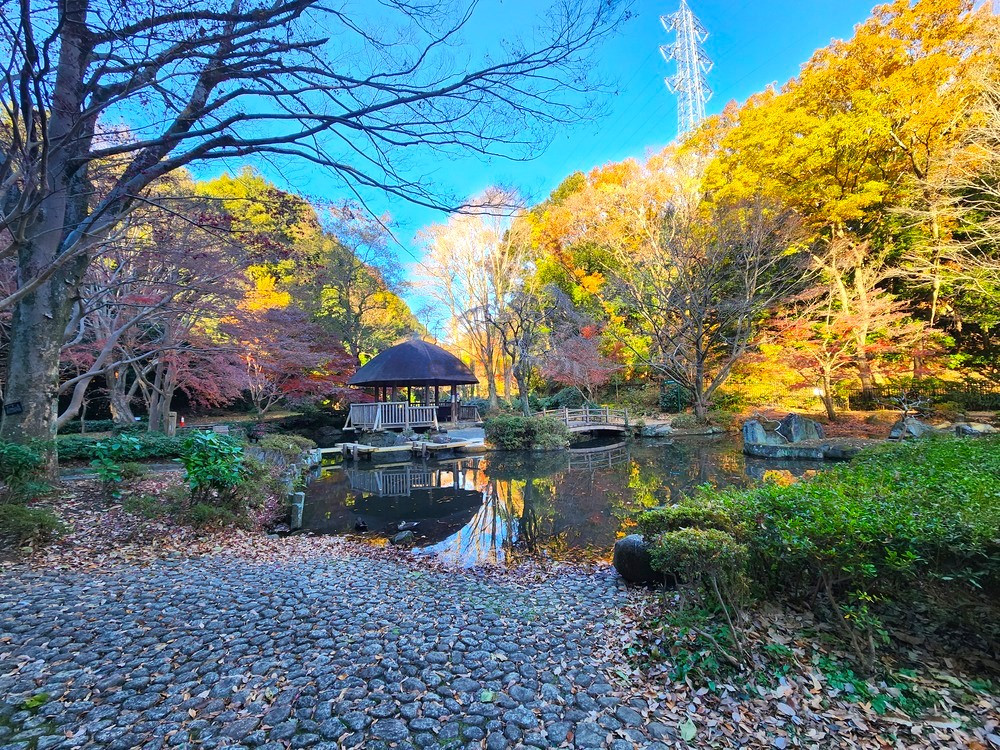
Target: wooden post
{"x": 171, "y": 423}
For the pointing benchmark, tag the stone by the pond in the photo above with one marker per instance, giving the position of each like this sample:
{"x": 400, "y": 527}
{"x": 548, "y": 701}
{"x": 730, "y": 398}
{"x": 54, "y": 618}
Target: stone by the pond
{"x": 911, "y": 427}
{"x": 631, "y": 560}
{"x": 795, "y": 428}
{"x": 754, "y": 433}
{"x": 973, "y": 429}
{"x": 833, "y": 449}
{"x": 792, "y": 428}
{"x": 656, "y": 430}
{"x": 403, "y": 537}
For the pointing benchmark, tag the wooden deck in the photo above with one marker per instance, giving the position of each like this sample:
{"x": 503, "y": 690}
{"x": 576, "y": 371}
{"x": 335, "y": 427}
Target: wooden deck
{"x": 593, "y": 419}
{"x": 418, "y": 448}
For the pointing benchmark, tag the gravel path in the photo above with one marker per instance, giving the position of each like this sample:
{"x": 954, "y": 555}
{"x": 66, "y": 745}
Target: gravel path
{"x": 342, "y": 651}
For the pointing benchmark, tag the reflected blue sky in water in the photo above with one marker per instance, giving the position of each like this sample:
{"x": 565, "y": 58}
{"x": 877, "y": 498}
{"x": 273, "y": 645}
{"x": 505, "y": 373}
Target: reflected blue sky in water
{"x": 489, "y": 510}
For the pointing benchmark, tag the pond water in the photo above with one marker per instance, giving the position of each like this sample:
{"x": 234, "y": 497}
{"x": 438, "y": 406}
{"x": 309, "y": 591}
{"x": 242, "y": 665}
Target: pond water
{"x": 493, "y": 509}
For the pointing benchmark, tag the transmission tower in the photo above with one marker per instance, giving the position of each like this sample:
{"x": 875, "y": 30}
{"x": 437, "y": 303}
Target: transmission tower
{"x": 689, "y": 83}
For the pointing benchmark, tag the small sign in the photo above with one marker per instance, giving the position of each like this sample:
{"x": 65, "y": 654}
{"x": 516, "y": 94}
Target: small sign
{"x": 14, "y": 407}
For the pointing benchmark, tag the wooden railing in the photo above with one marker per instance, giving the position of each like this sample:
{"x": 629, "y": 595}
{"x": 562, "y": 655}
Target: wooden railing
{"x": 391, "y": 415}
{"x": 468, "y": 413}
{"x": 588, "y": 417}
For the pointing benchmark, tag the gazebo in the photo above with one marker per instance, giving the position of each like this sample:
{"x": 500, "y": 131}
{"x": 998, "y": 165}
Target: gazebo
{"x": 422, "y": 370}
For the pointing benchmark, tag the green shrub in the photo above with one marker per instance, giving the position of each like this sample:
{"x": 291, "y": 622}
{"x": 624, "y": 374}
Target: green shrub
{"x": 212, "y": 464}
{"x": 149, "y": 506}
{"x": 22, "y": 525}
{"x": 205, "y": 514}
{"x": 688, "y": 515}
{"x": 674, "y": 398}
{"x": 517, "y": 432}
{"x": 510, "y": 431}
{"x": 699, "y": 556}
{"x": 550, "y": 434}
{"x": 570, "y": 397}
{"x": 101, "y": 425}
{"x": 289, "y": 446}
{"x": 152, "y": 445}
{"x": 685, "y": 421}
{"x": 20, "y": 469}
{"x": 726, "y": 419}
{"x": 711, "y": 565}
{"x": 113, "y": 464}
{"x": 899, "y": 521}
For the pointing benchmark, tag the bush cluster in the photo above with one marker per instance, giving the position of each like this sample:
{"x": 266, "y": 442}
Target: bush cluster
{"x": 901, "y": 522}
{"x": 20, "y": 469}
{"x": 517, "y": 432}
{"x": 115, "y": 463}
{"x": 73, "y": 427}
{"x": 286, "y": 446}
{"x": 152, "y": 445}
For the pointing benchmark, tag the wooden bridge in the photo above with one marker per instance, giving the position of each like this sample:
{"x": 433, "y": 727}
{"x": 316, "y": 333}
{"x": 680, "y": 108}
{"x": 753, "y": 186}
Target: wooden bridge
{"x": 590, "y": 419}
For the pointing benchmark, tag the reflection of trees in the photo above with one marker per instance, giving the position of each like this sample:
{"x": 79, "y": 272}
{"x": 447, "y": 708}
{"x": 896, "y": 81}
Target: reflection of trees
{"x": 523, "y": 503}
{"x": 484, "y": 539}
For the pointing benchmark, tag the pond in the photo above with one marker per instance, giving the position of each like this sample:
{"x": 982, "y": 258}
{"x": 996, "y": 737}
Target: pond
{"x": 495, "y": 509}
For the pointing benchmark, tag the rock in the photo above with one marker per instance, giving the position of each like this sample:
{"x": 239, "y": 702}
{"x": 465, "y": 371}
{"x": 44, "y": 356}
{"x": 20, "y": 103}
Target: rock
{"x": 754, "y": 433}
{"x": 795, "y": 428}
{"x": 656, "y": 430}
{"x": 820, "y": 450}
{"x": 631, "y": 560}
{"x": 403, "y": 537}
{"x": 911, "y": 427}
{"x": 973, "y": 429}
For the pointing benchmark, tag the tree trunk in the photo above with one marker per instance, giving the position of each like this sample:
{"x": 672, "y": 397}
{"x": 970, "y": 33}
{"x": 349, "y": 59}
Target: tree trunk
{"x": 523, "y": 390}
{"x": 491, "y": 380}
{"x": 120, "y": 397}
{"x": 40, "y": 319}
{"x": 36, "y": 336}
{"x": 700, "y": 401}
{"x": 828, "y": 396}
{"x": 37, "y": 329}
{"x": 864, "y": 372}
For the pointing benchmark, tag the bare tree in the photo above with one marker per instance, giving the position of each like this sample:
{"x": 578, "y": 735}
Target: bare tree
{"x": 701, "y": 292}
{"x": 474, "y": 265}
{"x": 101, "y": 99}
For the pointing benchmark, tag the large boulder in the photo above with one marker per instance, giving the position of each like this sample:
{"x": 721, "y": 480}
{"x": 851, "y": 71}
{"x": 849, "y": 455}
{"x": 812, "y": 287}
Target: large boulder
{"x": 656, "y": 430}
{"x": 631, "y": 560}
{"x": 911, "y": 427}
{"x": 795, "y": 428}
{"x": 973, "y": 429}
{"x": 756, "y": 432}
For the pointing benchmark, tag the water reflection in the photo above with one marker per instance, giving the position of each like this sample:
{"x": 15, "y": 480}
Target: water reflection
{"x": 486, "y": 510}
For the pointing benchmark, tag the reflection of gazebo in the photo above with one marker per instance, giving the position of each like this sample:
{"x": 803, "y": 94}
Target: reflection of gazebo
{"x": 422, "y": 369}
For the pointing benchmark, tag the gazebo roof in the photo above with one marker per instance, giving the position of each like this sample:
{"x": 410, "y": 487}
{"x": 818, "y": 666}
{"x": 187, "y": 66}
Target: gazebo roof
{"x": 414, "y": 362}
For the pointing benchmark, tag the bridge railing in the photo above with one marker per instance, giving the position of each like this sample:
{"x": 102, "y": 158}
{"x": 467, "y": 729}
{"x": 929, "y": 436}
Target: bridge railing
{"x": 594, "y": 415}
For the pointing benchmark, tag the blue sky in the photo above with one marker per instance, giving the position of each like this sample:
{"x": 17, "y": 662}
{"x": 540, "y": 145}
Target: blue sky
{"x": 751, "y": 43}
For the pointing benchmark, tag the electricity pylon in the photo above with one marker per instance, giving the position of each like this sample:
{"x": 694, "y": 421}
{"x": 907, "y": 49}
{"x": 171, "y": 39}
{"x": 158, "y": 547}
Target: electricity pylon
{"x": 689, "y": 83}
